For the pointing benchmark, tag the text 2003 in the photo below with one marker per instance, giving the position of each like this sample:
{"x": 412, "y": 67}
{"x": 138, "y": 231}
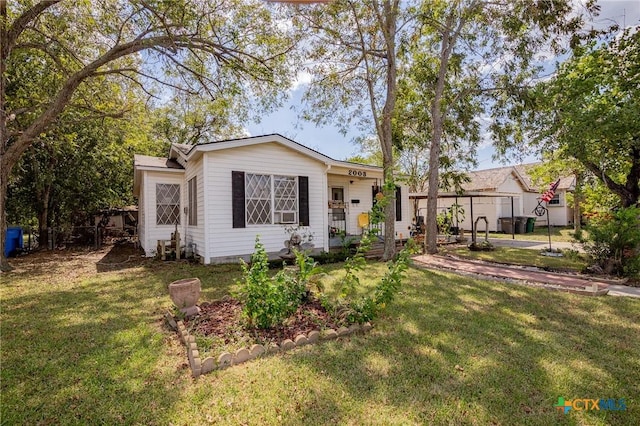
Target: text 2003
{"x": 357, "y": 173}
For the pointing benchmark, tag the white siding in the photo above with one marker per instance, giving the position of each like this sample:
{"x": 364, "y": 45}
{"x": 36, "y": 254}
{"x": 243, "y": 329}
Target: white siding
{"x": 361, "y": 189}
{"x": 487, "y": 207}
{"x": 559, "y": 214}
{"x": 141, "y": 214}
{"x": 194, "y": 234}
{"x": 227, "y": 243}
{"x": 153, "y": 232}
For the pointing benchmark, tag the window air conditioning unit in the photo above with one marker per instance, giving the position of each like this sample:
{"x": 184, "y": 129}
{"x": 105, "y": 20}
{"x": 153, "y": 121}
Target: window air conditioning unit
{"x": 288, "y": 217}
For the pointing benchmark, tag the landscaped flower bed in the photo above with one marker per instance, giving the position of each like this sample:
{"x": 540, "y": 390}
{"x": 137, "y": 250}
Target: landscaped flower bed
{"x": 217, "y": 337}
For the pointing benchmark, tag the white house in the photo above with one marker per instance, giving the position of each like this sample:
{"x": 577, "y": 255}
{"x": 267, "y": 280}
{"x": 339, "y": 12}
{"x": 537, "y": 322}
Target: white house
{"x": 223, "y": 194}
{"x": 500, "y": 192}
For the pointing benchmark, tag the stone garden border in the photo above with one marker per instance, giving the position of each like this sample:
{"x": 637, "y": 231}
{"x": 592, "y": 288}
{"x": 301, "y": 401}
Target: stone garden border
{"x": 201, "y": 366}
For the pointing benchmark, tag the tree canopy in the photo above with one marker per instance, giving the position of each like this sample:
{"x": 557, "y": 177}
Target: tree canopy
{"x": 76, "y": 50}
{"x": 589, "y": 112}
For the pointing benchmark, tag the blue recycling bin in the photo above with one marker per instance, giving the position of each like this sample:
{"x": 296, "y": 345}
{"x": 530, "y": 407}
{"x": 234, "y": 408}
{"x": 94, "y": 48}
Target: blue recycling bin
{"x": 13, "y": 241}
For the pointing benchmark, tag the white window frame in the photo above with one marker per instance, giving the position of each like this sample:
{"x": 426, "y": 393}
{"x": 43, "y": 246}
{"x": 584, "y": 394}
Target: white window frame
{"x": 276, "y": 216}
{"x": 555, "y": 201}
{"x": 177, "y": 205}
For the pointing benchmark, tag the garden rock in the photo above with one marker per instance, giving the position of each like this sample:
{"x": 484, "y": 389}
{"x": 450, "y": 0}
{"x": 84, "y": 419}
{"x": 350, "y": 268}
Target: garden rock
{"x": 209, "y": 364}
{"x": 301, "y": 340}
{"x": 241, "y": 356}
{"x": 313, "y": 336}
{"x": 257, "y": 350}
{"x": 287, "y": 345}
{"x": 224, "y": 359}
{"x": 342, "y": 331}
{"x": 330, "y": 334}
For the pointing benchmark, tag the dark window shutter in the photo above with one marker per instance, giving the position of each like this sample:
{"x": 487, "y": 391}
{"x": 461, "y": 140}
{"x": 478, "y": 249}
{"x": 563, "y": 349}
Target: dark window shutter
{"x": 237, "y": 203}
{"x": 398, "y": 204}
{"x": 303, "y": 200}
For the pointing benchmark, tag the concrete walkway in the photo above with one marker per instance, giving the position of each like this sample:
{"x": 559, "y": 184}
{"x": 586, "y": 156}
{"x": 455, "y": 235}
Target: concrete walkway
{"x": 533, "y": 245}
{"x": 565, "y": 282}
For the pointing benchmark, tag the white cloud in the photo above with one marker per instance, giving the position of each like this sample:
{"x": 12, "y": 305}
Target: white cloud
{"x": 302, "y": 79}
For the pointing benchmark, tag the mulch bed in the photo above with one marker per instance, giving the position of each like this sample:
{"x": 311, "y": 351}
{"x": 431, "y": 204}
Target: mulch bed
{"x": 223, "y": 319}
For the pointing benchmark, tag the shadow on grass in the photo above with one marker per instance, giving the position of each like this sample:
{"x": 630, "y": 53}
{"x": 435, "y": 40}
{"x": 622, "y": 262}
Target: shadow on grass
{"x": 455, "y": 351}
{"x": 91, "y": 349}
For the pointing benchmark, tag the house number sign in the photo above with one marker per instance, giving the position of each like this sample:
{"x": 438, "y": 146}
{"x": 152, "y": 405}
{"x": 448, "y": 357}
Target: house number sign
{"x": 358, "y": 173}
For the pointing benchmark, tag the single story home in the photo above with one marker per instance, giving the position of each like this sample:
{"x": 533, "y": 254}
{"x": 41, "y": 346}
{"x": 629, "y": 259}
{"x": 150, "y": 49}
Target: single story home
{"x": 496, "y": 193}
{"x": 221, "y": 195}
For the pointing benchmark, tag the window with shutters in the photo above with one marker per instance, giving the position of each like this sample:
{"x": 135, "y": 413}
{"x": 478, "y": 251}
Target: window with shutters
{"x": 193, "y": 201}
{"x": 271, "y": 199}
{"x": 167, "y": 204}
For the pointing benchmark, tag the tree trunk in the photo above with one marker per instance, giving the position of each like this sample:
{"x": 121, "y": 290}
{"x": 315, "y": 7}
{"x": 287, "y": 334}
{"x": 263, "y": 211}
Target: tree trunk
{"x": 577, "y": 202}
{"x": 4, "y": 172}
{"x": 43, "y": 211}
{"x": 431, "y": 236}
{"x": 388, "y": 25}
{"x": 4, "y": 180}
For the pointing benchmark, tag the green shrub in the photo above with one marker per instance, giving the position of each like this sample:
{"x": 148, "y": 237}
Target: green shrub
{"x": 613, "y": 241}
{"x": 268, "y": 301}
{"x": 366, "y": 308}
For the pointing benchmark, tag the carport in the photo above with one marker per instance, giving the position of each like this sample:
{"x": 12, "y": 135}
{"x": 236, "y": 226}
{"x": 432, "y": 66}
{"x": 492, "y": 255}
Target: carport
{"x": 471, "y": 195}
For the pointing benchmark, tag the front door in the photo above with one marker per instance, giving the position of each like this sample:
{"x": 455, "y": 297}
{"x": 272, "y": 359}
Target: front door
{"x": 337, "y": 214}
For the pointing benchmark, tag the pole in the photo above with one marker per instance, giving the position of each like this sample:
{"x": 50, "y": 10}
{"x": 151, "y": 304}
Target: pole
{"x": 513, "y": 222}
{"x": 548, "y": 226}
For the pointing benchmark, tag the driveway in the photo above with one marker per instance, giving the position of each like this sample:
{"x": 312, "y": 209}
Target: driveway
{"x": 533, "y": 245}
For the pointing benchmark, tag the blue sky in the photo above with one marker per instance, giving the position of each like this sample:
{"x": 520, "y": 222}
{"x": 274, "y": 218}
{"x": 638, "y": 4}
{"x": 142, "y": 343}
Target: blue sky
{"x": 328, "y": 139}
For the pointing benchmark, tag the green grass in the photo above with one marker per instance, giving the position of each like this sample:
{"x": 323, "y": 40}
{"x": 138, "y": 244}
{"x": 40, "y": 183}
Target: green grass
{"x": 87, "y": 347}
{"x": 540, "y": 233}
{"x": 571, "y": 261}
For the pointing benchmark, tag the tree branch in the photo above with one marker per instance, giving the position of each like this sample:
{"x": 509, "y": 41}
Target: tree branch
{"x": 21, "y": 22}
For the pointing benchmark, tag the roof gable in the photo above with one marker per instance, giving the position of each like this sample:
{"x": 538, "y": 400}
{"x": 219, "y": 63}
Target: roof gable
{"x": 195, "y": 150}
{"x": 493, "y": 179}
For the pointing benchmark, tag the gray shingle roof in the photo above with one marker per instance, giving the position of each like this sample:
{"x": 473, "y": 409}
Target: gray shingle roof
{"x": 155, "y": 162}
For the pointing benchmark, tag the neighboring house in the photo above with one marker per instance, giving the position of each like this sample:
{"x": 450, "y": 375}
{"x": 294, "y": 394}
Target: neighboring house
{"x": 495, "y": 193}
{"x": 221, "y": 195}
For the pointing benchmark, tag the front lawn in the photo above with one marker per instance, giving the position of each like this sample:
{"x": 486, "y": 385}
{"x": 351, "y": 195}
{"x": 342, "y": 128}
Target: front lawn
{"x": 540, "y": 233}
{"x": 570, "y": 261}
{"x": 86, "y": 347}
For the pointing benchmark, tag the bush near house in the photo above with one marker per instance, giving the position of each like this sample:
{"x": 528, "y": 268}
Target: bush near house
{"x": 613, "y": 242}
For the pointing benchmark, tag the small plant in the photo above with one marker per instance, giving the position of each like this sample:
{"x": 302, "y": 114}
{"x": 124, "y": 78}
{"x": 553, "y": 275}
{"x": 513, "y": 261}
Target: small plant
{"x": 444, "y": 220}
{"x": 366, "y": 308}
{"x": 268, "y": 301}
{"x": 613, "y": 242}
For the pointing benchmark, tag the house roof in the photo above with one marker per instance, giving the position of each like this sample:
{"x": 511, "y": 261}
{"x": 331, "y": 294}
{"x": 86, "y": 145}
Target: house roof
{"x": 491, "y": 179}
{"x": 485, "y": 183}
{"x": 183, "y": 147}
{"x": 147, "y": 161}
{"x": 187, "y": 152}
{"x": 566, "y": 182}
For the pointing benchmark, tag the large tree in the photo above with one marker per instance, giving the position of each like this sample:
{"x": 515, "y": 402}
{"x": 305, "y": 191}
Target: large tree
{"x": 479, "y": 49}
{"x": 589, "y": 112}
{"x": 351, "y": 49}
{"x": 216, "y": 48}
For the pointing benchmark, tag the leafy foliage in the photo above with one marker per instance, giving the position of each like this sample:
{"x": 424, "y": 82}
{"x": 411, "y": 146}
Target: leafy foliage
{"x": 362, "y": 309}
{"x": 588, "y": 113}
{"x": 268, "y": 301}
{"x": 614, "y": 241}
